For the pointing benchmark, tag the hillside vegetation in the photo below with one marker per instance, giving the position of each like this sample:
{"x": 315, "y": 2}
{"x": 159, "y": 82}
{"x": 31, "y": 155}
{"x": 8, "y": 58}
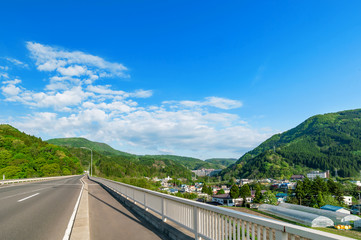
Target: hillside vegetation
{"x": 128, "y": 165}
{"x": 222, "y": 162}
{"x": 102, "y": 148}
{"x": 326, "y": 142}
{"x": 106, "y": 150}
{"x": 189, "y": 162}
{"x": 24, "y": 156}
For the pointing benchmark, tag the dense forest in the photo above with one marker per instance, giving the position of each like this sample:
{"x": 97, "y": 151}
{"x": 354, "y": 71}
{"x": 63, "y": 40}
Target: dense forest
{"x": 189, "y": 162}
{"x": 325, "y": 142}
{"x": 24, "y": 156}
{"x": 223, "y": 162}
{"x": 130, "y": 166}
{"x": 106, "y": 150}
{"x": 83, "y": 142}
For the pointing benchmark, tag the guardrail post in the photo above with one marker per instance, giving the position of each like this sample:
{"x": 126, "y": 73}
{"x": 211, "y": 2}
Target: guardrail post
{"x": 145, "y": 202}
{"x": 195, "y": 223}
{"x": 164, "y": 210}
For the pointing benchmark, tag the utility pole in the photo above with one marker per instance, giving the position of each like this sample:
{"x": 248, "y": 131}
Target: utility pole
{"x": 91, "y": 160}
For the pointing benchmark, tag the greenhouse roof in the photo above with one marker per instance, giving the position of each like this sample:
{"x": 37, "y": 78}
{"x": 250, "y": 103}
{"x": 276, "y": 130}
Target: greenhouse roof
{"x": 331, "y": 208}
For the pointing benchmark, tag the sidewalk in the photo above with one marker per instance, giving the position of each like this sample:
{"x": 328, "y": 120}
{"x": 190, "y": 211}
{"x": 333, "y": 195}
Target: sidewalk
{"x": 108, "y": 219}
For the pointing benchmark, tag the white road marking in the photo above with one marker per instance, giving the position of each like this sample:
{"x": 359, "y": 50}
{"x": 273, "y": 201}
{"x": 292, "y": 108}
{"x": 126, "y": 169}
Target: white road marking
{"x": 72, "y": 218}
{"x": 23, "y": 193}
{"x": 28, "y": 197}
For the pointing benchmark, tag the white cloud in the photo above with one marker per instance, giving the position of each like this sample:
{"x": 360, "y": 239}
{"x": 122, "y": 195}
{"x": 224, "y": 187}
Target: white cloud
{"x": 10, "y": 89}
{"x": 72, "y": 70}
{"x": 16, "y": 62}
{"x": 74, "y": 63}
{"x": 217, "y": 102}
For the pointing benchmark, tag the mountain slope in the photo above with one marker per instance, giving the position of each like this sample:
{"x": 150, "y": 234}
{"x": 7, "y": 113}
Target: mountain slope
{"x": 102, "y": 148}
{"x": 189, "y": 162}
{"x": 113, "y": 163}
{"x": 326, "y": 142}
{"x": 23, "y": 156}
{"x": 223, "y": 162}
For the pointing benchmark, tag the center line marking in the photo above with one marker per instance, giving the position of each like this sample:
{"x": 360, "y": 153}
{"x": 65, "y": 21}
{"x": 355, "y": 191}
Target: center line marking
{"x": 28, "y": 197}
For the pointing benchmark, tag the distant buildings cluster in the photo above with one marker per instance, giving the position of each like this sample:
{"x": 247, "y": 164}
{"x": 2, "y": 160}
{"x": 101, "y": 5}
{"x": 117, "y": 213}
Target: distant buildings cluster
{"x": 206, "y": 172}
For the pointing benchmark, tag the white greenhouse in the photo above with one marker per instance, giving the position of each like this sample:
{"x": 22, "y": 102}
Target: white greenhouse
{"x": 337, "y": 217}
{"x": 304, "y": 218}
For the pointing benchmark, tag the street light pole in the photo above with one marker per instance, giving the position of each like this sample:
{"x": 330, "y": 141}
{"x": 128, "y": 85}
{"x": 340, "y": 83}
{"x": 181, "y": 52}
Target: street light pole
{"x": 91, "y": 160}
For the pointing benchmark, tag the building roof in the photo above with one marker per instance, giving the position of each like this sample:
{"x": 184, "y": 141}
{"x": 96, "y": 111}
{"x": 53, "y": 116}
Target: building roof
{"x": 222, "y": 196}
{"x": 297, "y": 177}
{"x": 281, "y": 195}
{"x": 331, "y": 208}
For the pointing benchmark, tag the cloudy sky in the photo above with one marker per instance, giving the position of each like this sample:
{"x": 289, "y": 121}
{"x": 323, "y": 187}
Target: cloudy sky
{"x": 202, "y": 79}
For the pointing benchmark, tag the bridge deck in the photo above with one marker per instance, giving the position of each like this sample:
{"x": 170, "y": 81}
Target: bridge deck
{"x": 109, "y": 219}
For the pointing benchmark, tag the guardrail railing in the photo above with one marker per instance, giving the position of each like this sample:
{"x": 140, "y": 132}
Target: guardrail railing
{"x": 212, "y": 222}
{"x": 12, "y": 181}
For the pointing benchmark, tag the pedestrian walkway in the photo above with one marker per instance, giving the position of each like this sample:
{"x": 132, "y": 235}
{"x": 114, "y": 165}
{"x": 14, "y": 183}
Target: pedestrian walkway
{"x": 109, "y": 219}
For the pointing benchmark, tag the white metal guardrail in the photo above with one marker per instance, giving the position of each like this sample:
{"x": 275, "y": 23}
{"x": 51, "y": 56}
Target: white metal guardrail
{"x": 211, "y": 222}
{"x": 12, "y": 181}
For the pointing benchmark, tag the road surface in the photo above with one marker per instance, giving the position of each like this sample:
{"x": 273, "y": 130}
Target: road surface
{"x": 40, "y": 210}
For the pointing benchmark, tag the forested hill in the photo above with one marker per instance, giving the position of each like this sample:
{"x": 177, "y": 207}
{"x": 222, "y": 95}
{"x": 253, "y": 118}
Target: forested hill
{"x": 223, "y": 162}
{"x": 24, "y": 156}
{"x": 106, "y": 150}
{"x": 108, "y": 162}
{"x": 102, "y": 148}
{"x": 189, "y": 162}
{"x": 326, "y": 142}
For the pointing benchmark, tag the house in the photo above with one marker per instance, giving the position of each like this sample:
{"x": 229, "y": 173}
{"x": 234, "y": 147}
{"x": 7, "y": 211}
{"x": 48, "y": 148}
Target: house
{"x": 281, "y": 197}
{"x": 347, "y": 200}
{"x": 253, "y": 193}
{"x": 297, "y": 177}
{"x": 335, "y": 209}
{"x": 225, "y": 199}
{"x": 312, "y": 175}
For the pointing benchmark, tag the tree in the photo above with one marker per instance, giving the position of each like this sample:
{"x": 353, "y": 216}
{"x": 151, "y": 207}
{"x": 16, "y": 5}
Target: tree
{"x": 206, "y": 189}
{"x": 300, "y": 192}
{"x": 234, "y": 191}
{"x": 269, "y": 198}
{"x": 258, "y": 194}
{"x": 220, "y": 191}
{"x": 245, "y": 192}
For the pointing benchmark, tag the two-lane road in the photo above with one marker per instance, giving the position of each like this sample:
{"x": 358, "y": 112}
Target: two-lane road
{"x": 38, "y": 210}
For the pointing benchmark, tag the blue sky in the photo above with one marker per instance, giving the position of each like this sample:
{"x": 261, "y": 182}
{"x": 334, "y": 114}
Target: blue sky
{"x": 195, "y": 78}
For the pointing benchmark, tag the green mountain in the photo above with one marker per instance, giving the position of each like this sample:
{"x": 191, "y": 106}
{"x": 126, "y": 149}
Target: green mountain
{"x": 189, "y": 162}
{"x": 24, "y": 156}
{"x": 106, "y": 150}
{"x": 109, "y": 162}
{"x": 223, "y": 162}
{"x": 325, "y": 142}
{"x": 102, "y": 148}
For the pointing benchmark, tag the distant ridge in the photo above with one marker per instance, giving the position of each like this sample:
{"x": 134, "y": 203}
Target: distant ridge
{"x": 224, "y": 162}
{"x": 102, "y": 148}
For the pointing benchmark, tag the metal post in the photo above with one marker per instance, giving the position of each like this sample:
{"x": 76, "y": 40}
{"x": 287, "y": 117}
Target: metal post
{"x": 195, "y": 223}
{"x": 164, "y": 212}
{"x": 91, "y": 160}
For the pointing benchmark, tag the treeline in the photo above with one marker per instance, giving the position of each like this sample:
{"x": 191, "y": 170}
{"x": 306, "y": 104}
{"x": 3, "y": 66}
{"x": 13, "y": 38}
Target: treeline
{"x": 131, "y": 166}
{"x": 320, "y": 192}
{"x": 25, "y": 156}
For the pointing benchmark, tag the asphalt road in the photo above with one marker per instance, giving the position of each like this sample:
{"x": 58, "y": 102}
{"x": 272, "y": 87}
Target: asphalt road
{"x": 38, "y": 210}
